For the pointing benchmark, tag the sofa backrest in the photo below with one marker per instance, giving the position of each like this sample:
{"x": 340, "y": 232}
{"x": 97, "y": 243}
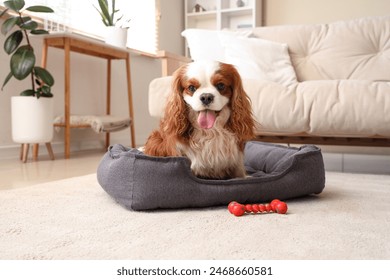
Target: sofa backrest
{"x": 354, "y": 49}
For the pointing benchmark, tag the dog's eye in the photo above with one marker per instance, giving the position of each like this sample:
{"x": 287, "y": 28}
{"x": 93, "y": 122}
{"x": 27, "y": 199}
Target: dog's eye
{"x": 220, "y": 86}
{"x": 192, "y": 88}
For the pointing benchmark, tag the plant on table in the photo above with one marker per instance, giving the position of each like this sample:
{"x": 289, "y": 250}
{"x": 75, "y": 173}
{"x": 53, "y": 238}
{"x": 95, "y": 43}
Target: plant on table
{"x": 108, "y": 14}
{"x": 22, "y": 62}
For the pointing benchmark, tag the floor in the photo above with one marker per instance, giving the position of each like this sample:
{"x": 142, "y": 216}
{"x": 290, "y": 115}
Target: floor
{"x": 15, "y": 174}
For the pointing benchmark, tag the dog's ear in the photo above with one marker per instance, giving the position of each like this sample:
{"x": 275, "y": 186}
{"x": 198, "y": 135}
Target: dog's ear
{"x": 175, "y": 121}
{"x": 241, "y": 121}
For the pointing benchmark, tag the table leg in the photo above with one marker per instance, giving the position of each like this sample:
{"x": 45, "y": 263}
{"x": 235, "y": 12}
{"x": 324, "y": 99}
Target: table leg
{"x": 35, "y": 152}
{"x": 44, "y": 53}
{"x": 67, "y": 97}
{"x": 26, "y": 147}
{"x": 108, "y": 98}
{"x": 50, "y": 150}
{"x": 130, "y": 100}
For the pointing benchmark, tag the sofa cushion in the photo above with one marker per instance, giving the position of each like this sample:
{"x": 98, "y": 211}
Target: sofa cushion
{"x": 159, "y": 89}
{"x": 353, "y": 49}
{"x": 205, "y": 44}
{"x": 259, "y": 59}
{"x": 344, "y": 108}
{"x": 254, "y": 58}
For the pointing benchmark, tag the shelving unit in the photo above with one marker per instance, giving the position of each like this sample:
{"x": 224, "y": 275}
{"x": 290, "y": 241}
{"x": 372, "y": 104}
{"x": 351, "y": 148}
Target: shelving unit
{"x": 222, "y": 14}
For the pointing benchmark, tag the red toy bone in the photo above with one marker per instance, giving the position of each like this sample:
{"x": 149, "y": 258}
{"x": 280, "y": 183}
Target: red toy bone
{"x": 276, "y": 206}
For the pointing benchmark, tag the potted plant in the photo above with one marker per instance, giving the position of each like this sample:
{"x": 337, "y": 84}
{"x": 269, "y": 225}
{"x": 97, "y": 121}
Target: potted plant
{"x": 32, "y": 111}
{"x": 116, "y": 29}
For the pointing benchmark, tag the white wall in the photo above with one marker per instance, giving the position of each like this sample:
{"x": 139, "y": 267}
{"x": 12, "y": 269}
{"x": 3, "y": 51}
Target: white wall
{"x": 88, "y": 88}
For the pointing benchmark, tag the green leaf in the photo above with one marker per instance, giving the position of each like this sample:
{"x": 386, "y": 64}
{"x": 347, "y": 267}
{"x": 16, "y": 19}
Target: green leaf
{"x": 103, "y": 4}
{"x": 45, "y": 89}
{"x": 9, "y": 76}
{"x": 49, "y": 94}
{"x": 27, "y": 92}
{"x": 3, "y": 12}
{"x": 113, "y": 11}
{"x": 8, "y": 24}
{"x": 44, "y": 75}
{"x": 105, "y": 22}
{"x": 15, "y": 5}
{"x": 119, "y": 18}
{"x": 13, "y": 41}
{"x": 103, "y": 19}
{"x": 39, "y": 31}
{"x": 40, "y": 9}
{"x": 29, "y": 25}
{"x": 24, "y": 19}
{"x": 22, "y": 62}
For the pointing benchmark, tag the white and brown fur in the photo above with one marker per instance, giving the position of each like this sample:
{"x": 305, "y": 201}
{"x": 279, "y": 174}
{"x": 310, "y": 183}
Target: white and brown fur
{"x": 215, "y": 152}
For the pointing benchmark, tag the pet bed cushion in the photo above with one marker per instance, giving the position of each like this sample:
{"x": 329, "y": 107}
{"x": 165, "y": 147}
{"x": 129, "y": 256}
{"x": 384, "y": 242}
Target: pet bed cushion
{"x": 141, "y": 182}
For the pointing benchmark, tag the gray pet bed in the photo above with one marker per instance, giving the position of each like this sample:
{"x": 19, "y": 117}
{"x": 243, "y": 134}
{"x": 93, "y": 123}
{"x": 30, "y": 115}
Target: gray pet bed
{"x": 142, "y": 182}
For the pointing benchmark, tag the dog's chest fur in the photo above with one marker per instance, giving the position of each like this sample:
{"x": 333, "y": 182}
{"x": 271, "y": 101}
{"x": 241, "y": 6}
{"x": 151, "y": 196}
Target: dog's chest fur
{"x": 214, "y": 153}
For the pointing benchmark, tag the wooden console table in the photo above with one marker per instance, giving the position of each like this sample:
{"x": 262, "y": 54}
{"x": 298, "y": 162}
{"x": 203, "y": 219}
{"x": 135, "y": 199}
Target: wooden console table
{"x": 80, "y": 44}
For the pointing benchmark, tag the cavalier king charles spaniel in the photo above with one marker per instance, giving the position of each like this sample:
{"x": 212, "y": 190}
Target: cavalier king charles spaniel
{"x": 208, "y": 118}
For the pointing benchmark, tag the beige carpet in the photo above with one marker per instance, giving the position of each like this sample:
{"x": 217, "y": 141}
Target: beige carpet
{"x": 76, "y": 219}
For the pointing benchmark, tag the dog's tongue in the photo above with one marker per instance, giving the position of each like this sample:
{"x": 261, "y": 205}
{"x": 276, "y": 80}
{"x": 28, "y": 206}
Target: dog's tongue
{"x": 206, "y": 119}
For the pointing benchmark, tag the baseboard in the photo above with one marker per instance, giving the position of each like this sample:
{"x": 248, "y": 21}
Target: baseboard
{"x": 10, "y": 151}
{"x": 357, "y": 163}
{"x": 13, "y": 151}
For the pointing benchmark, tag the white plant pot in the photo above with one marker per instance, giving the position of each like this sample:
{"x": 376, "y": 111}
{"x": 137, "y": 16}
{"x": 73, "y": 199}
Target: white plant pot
{"x": 116, "y": 36}
{"x": 32, "y": 119}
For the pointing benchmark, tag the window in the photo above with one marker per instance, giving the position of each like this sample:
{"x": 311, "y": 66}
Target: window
{"x": 81, "y": 17}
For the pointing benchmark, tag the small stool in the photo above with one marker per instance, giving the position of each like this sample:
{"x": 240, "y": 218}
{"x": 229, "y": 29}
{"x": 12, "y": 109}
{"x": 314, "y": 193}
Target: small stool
{"x": 25, "y": 147}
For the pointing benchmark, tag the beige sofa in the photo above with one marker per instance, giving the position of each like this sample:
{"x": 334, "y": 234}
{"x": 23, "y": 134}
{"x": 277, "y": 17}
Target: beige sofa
{"x": 320, "y": 84}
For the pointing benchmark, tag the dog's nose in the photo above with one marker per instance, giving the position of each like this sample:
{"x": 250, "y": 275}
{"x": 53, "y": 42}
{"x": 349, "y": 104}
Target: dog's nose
{"x": 206, "y": 98}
